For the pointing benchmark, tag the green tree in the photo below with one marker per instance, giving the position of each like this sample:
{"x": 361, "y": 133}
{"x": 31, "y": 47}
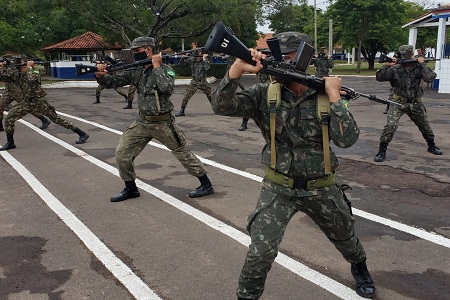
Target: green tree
{"x": 28, "y": 26}
{"x": 369, "y": 25}
{"x": 160, "y": 19}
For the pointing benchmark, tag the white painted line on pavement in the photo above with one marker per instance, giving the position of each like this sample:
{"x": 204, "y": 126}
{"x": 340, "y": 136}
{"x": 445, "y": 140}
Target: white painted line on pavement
{"x": 421, "y": 233}
{"x": 120, "y": 270}
{"x": 292, "y": 265}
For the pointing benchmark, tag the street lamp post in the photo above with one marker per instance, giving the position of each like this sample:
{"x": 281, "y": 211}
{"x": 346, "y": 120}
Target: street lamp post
{"x": 315, "y": 27}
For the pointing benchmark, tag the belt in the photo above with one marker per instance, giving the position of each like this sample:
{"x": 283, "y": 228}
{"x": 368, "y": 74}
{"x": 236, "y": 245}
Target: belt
{"x": 292, "y": 183}
{"x": 163, "y": 117}
{"x": 405, "y": 100}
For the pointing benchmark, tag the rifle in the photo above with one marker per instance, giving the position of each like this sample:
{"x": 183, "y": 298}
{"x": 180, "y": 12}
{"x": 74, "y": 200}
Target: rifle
{"x": 113, "y": 67}
{"x": 223, "y": 40}
{"x": 384, "y": 58}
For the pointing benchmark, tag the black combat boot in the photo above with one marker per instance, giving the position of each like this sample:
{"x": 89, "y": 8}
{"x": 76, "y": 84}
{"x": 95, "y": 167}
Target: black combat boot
{"x": 83, "y": 136}
{"x": 97, "y": 100}
{"x": 129, "y": 105}
{"x": 204, "y": 189}
{"x": 433, "y": 149}
{"x": 45, "y": 122}
{"x": 381, "y": 155}
{"x": 365, "y": 286}
{"x": 181, "y": 112}
{"x": 10, "y": 142}
{"x": 1, "y": 126}
{"x": 243, "y": 125}
{"x": 130, "y": 191}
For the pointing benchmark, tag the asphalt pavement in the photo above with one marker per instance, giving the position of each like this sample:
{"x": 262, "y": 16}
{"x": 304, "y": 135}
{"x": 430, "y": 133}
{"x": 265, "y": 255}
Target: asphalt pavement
{"x": 61, "y": 237}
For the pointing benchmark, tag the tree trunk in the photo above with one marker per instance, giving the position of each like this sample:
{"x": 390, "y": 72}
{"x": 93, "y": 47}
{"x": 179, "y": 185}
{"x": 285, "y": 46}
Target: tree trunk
{"x": 358, "y": 57}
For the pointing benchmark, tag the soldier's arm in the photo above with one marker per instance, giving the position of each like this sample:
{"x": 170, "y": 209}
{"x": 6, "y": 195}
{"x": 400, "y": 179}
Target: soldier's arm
{"x": 115, "y": 80}
{"x": 227, "y": 102}
{"x": 207, "y": 64}
{"x": 342, "y": 127}
{"x": 428, "y": 75}
{"x": 8, "y": 75}
{"x": 385, "y": 73}
{"x": 165, "y": 79}
{"x": 344, "y": 131}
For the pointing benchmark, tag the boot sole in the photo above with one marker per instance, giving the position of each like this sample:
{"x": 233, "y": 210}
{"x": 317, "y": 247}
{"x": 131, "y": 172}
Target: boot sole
{"x": 83, "y": 140}
{"x": 202, "y": 195}
{"x": 9, "y": 148}
{"x": 125, "y": 198}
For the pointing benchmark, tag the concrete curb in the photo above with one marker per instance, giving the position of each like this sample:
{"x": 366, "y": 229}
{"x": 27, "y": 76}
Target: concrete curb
{"x": 94, "y": 84}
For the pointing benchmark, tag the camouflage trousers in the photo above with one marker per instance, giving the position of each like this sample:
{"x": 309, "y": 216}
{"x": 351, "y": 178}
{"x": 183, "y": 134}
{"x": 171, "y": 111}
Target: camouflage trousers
{"x": 416, "y": 112}
{"x": 131, "y": 92}
{"x": 6, "y": 100}
{"x": 328, "y": 208}
{"x": 35, "y": 107}
{"x": 100, "y": 88}
{"x": 138, "y": 135}
{"x": 192, "y": 88}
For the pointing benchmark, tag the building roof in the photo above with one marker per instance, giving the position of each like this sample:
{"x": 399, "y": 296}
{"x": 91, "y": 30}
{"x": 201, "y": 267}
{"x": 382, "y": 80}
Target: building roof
{"x": 86, "y": 41}
{"x": 261, "y": 42}
{"x": 430, "y": 18}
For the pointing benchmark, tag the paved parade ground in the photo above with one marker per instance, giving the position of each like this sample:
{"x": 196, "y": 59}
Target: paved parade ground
{"x": 61, "y": 237}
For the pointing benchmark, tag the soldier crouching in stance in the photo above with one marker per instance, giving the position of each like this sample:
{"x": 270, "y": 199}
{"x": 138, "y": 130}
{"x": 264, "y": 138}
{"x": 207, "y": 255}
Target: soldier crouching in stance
{"x": 406, "y": 79}
{"x": 32, "y": 101}
{"x": 296, "y": 179}
{"x": 154, "y": 83}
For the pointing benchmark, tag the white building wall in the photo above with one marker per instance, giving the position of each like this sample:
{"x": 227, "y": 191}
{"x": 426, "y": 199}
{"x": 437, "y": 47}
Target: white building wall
{"x": 444, "y": 79}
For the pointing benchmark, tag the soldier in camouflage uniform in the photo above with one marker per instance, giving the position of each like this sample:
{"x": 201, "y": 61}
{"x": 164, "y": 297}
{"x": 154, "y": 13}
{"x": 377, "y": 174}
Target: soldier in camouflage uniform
{"x": 33, "y": 101}
{"x": 406, "y": 81}
{"x": 154, "y": 84}
{"x": 323, "y": 63}
{"x": 298, "y": 181}
{"x": 99, "y": 90}
{"x": 13, "y": 93}
{"x": 199, "y": 65}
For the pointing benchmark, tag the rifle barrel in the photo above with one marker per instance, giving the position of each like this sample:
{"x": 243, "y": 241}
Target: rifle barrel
{"x": 318, "y": 83}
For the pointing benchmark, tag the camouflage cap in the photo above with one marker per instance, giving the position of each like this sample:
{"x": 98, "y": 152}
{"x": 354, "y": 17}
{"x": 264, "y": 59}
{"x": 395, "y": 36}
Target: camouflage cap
{"x": 404, "y": 48}
{"x": 289, "y": 41}
{"x": 142, "y": 41}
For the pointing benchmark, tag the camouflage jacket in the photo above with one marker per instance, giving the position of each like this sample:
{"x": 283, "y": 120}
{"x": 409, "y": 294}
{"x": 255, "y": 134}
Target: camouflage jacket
{"x": 21, "y": 85}
{"x": 298, "y": 136}
{"x": 199, "y": 68}
{"x": 323, "y": 65}
{"x": 147, "y": 81}
{"x": 406, "y": 83}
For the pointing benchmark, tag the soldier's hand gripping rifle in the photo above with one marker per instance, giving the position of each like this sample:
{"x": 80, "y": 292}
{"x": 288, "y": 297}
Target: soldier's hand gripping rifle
{"x": 86, "y": 69}
{"x": 384, "y": 58}
{"x": 223, "y": 40}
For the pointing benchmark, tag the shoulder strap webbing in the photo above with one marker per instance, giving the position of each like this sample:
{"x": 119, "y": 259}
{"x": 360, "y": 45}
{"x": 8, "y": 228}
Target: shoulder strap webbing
{"x": 273, "y": 101}
{"x": 323, "y": 114}
{"x": 155, "y": 90}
